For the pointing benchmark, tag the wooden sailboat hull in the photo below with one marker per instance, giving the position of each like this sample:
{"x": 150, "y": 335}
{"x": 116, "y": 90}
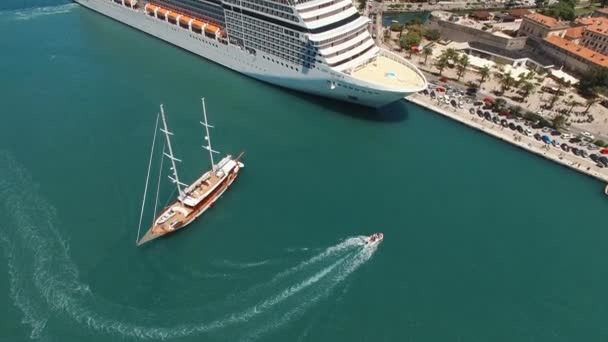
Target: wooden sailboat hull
{"x": 198, "y": 210}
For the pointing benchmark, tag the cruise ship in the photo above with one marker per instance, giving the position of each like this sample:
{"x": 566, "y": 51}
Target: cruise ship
{"x": 320, "y": 47}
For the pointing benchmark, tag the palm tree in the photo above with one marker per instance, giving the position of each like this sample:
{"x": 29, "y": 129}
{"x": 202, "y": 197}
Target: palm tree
{"x": 463, "y": 63}
{"x": 527, "y": 88}
{"x": 441, "y": 64}
{"x": 450, "y": 53}
{"x": 507, "y": 82}
{"x": 483, "y": 72}
{"x": 590, "y": 101}
{"x": 557, "y": 94}
{"x": 594, "y": 97}
{"x": 572, "y": 104}
{"x": 559, "y": 121}
{"x": 426, "y": 52}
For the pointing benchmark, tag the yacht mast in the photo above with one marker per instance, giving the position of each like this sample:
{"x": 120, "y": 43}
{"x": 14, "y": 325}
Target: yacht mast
{"x": 208, "y": 136}
{"x": 175, "y": 178}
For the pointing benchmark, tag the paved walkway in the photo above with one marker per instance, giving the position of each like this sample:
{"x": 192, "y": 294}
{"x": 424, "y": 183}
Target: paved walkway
{"x": 462, "y": 115}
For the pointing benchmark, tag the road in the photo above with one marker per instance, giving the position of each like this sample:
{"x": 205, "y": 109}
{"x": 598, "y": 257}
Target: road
{"x": 481, "y": 94}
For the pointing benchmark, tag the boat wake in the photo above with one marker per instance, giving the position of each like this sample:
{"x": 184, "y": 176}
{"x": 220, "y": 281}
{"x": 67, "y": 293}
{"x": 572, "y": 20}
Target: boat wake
{"x": 35, "y": 12}
{"x": 44, "y": 281}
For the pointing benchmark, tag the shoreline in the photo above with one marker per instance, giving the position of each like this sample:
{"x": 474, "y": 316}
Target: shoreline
{"x": 585, "y": 166}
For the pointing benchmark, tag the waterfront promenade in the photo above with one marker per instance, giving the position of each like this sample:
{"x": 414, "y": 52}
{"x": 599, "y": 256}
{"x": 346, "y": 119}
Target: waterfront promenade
{"x": 528, "y": 143}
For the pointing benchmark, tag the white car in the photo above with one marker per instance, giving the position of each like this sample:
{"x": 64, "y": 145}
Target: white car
{"x": 566, "y": 135}
{"x": 528, "y": 132}
{"x": 588, "y": 135}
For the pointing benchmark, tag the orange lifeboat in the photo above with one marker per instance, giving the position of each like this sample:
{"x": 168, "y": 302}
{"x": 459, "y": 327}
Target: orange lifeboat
{"x": 161, "y": 13}
{"x": 184, "y": 21}
{"x": 173, "y": 17}
{"x": 211, "y": 29}
{"x": 151, "y": 8}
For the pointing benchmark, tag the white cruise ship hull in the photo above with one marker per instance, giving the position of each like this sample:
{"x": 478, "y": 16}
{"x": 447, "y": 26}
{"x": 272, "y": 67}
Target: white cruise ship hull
{"x": 318, "y": 81}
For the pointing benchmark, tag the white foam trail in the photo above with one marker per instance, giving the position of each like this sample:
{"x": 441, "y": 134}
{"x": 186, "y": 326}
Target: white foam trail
{"x": 351, "y": 266}
{"x": 52, "y": 285}
{"x": 346, "y": 244}
{"x": 32, "y": 13}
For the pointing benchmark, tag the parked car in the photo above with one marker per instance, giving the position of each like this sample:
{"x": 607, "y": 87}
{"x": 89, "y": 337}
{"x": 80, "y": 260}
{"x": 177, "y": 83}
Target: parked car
{"x": 594, "y": 157}
{"x": 536, "y": 136}
{"x": 565, "y": 147}
{"x": 504, "y": 123}
{"x": 472, "y": 111}
{"x": 520, "y": 129}
{"x": 556, "y": 133}
{"x": 512, "y": 126}
{"x": 528, "y": 132}
{"x": 574, "y": 140}
{"x": 588, "y": 135}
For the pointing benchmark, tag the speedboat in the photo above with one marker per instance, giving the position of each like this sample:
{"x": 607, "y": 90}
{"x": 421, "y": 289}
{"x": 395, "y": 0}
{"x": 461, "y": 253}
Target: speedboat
{"x": 374, "y": 239}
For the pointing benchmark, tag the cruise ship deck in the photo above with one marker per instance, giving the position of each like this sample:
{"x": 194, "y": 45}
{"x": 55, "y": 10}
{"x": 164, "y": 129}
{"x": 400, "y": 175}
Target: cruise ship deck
{"x": 390, "y": 73}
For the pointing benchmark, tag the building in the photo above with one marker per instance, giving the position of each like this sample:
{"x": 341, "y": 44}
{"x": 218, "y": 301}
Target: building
{"x": 490, "y": 33}
{"x": 518, "y": 13}
{"x": 537, "y": 27}
{"x": 572, "y": 56}
{"x": 595, "y": 34}
{"x": 601, "y": 12}
{"x": 480, "y": 15}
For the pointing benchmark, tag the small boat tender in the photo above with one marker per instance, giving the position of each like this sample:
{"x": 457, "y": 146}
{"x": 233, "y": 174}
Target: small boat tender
{"x": 374, "y": 239}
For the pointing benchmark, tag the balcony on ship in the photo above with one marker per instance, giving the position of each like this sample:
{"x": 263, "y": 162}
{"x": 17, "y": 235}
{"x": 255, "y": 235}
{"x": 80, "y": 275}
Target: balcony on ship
{"x": 386, "y": 69}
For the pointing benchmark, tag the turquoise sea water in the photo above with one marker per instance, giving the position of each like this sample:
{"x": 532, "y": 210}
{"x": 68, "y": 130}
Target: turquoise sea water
{"x": 483, "y": 242}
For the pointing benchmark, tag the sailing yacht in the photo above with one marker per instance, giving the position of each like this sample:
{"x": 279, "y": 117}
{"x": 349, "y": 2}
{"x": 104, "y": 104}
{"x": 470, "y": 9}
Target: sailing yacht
{"x": 193, "y": 199}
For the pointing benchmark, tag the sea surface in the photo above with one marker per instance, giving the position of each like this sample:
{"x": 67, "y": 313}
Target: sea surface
{"x": 483, "y": 242}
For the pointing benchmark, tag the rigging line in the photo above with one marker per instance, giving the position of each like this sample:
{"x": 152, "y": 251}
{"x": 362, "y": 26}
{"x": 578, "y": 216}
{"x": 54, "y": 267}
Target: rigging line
{"x": 143, "y": 202}
{"x": 169, "y": 198}
{"x": 160, "y": 172}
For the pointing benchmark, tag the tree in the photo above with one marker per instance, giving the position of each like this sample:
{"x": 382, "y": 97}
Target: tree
{"x": 426, "y": 52}
{"x": 527, "y": 89}
{"x": 559, "y": 121}
{"x": 432, "y": 34}
{"x": 540, "y": 3}
{"x": 572, "y": 104}
{"x": 506, "y": 82}
{"x": 499, "y": 104}
{"x": 563, "y": 9}
{"x": 517, "y": 111}
{"x": 594, "y": 80}
{"x": 558, "y": 93}
{"x": 483, "y": 73}
{"x": 593, "y": 98}
{"x": 409, "y": 40}
{"x": 463, "y": 63}
{"x": 441, "y": 64}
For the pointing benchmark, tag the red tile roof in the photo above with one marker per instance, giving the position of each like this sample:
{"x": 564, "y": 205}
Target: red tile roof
{"x": 583, "y": 52}
{"x": 544, "y": 20}
{"x": 574, "y": 33}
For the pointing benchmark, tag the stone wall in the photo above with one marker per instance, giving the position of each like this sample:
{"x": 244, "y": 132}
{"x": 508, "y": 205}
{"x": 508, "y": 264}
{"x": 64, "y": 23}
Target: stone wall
{"x": 460, "y": 33}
